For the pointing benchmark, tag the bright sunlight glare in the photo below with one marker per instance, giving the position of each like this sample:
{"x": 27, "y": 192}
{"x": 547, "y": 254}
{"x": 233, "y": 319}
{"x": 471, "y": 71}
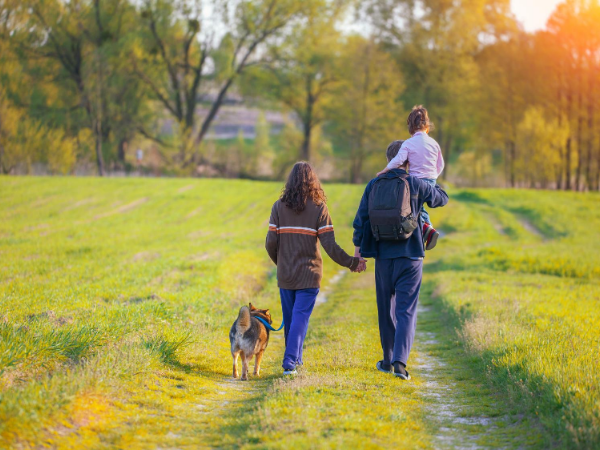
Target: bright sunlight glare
{"x": 533, "y": 14}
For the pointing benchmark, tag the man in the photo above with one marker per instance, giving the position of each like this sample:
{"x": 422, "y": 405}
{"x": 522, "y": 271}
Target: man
{"x": 398, "y": 269}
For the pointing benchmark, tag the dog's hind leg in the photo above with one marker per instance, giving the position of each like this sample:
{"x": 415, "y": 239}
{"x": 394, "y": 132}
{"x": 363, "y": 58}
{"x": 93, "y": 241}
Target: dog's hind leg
{"x": 235, "y": 366}
{"x": 257, "y": 361}
{"x": 244, "y": 367}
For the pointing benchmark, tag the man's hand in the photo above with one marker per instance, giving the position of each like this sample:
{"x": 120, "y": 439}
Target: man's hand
{"x": 362, "y": 266}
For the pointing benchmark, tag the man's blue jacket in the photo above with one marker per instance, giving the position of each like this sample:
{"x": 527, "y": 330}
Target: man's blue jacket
{"x": 420, "y": 193}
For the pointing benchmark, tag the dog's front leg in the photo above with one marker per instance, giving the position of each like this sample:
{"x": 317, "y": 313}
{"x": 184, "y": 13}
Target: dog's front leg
{"x": 244, "y": 367}
{"x": 257, "y": 361}
{"x": 235, "y": 367}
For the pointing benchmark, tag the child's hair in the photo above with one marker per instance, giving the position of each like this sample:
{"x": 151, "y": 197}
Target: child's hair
{"x": 393, "y": 149}
{"x": 418, "y": 120}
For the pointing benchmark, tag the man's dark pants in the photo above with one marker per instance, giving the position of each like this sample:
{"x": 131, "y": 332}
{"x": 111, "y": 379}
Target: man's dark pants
{"x": 398, "y": 282}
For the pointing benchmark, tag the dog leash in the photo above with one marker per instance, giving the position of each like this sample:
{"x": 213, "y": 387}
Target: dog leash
{"x": 268, "y": 325}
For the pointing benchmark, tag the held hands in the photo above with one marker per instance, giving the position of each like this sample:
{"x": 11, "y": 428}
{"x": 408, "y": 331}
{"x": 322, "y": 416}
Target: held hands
{"x": 362, "y": 265}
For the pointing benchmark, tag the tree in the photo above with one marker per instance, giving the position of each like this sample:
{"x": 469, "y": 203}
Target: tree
{"x": 574, "y": 30}
{"x": 503, "y": 97}
{"x": 83, "y": 42}
{"x": 185, "y": 62}
{"x": 303, "y": 72}
{"x": 435, "y": 43}
{"x": 365, "y": 111}
{"x": 539, "y": 140}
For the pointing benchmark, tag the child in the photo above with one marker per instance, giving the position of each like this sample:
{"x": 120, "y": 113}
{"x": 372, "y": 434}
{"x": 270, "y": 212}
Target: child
{"x": 426, "y": 162}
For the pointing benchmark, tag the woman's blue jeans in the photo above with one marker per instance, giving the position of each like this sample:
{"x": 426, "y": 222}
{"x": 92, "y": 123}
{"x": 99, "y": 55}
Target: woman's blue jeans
{"x": 297, "y": 306}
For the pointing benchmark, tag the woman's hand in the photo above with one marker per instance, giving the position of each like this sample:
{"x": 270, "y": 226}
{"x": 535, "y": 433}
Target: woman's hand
{"x": 362, "y": 265}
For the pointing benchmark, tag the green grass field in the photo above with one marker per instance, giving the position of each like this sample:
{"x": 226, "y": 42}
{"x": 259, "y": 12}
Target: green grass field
{"x": 116, "y": 297}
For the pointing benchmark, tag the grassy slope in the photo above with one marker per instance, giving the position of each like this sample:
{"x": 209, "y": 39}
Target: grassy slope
{"x": 520, "y": 274}
{"x": 117, "y": 296}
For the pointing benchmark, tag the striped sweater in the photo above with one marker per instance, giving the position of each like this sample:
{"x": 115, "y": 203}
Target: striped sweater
{"x": 293, "y": 247}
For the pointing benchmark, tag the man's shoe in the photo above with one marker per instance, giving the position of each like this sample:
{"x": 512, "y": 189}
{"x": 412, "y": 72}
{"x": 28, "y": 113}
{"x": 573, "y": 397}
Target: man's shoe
{"x": 401, "y": 372}
{"x": 430, "y": 236}
{"x": 287, "y": 372}
{"x": 384, "y": 367}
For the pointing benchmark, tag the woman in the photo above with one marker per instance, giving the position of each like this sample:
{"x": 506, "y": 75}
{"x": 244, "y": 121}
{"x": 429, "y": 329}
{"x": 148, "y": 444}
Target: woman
{"x": 298, "y": 218}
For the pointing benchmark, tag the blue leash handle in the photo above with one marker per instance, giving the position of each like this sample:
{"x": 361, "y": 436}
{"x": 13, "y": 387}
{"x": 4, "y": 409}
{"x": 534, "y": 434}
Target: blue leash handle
{"x": 268, "y": 325}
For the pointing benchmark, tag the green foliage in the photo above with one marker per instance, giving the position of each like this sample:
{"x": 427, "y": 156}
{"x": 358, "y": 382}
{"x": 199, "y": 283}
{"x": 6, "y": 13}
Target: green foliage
{"x": 157, "y": 79}
{"x": 24, "y": 141}
{"x": 365, "y": 108}
{"x": 290, "y": 141}
{"x": 540, "y": 142}
{"x": 263, "y": 150}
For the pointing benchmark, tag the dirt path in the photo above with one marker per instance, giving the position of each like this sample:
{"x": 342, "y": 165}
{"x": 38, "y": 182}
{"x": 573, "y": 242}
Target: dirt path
{"x": 455, "y": 422}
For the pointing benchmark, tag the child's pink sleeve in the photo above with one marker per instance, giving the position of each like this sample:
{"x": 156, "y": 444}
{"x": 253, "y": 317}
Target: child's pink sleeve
{"x": 399, "y": 159}
{"x": 440, "y": 161}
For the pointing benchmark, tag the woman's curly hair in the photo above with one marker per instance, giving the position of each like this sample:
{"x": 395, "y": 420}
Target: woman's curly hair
{"x": 302, "y": 184}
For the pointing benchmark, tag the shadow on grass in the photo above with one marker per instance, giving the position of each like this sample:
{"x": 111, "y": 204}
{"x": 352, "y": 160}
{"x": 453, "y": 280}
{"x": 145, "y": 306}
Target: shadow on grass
{"x": 470, "y": 197}
{"x": 530, "y": 219}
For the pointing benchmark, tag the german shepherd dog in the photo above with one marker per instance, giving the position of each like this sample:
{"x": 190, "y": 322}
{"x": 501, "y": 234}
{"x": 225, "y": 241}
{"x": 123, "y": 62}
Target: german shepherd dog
{"x": 249, "y": 337}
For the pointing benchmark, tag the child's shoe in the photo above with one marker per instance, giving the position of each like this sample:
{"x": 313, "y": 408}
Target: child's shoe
{"x": 430, "y": 236}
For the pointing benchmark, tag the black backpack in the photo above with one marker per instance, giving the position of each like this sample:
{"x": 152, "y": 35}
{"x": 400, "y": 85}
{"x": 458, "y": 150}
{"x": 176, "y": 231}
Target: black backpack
{"x": 390, "y": 213}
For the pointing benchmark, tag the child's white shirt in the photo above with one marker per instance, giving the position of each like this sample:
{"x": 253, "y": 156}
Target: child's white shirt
{"x": 424, "y": 155}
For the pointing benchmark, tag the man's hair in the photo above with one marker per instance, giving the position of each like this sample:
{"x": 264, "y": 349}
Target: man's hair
{"x": 302, "y": 184}
{"x": 393, "y": 149}
{"x": 418, "y": 120}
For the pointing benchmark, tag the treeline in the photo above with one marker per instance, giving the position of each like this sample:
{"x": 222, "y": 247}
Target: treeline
{"x": 89, "y": 81}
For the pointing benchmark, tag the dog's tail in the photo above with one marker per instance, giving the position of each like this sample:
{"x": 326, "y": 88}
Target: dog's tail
{"x": 243, "y": 320}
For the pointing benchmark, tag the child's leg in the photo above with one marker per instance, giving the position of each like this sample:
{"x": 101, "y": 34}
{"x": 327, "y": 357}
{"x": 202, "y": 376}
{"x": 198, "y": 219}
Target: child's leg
{"x": 424, "y": 213}
{"x": 425, "y": 216}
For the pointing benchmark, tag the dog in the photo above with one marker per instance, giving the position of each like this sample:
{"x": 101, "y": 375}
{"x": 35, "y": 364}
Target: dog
{"x": 249, "y": 337}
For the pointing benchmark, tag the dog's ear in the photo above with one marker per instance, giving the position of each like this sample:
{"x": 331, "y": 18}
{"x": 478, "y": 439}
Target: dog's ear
{"x": 266, "y": 311}
{"x": 252, "y": 308}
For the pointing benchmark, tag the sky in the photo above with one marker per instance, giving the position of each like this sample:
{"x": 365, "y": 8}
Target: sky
{"x": 533, "y": 14}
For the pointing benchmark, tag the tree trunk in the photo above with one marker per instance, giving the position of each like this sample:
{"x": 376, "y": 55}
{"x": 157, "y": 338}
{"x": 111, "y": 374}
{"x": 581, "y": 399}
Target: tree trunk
{"x": 308, "y": 120}
{"x": 590, "y": 129}
{"x": 579, "y": 130}
{"x": 121, "y": 151}
{"x": 598, "y": 171}
{"x": 448, "y": 147}
{"x": 305, "y": 151}
{"x": 214, "y": 109}
{"x": 506, "y": 163}
{"x": 568, "y": 149}
{"x": 513, "y": 151}
{"x": 561, "y": 153}
{"x": 99, "y": 157}
{"x": 568, "y": 165}
{"x": 356, "y": 163}
{"x": 440, "y": 136}
{"x": 559, "y": 169}
{"x": 3, "y": 169}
